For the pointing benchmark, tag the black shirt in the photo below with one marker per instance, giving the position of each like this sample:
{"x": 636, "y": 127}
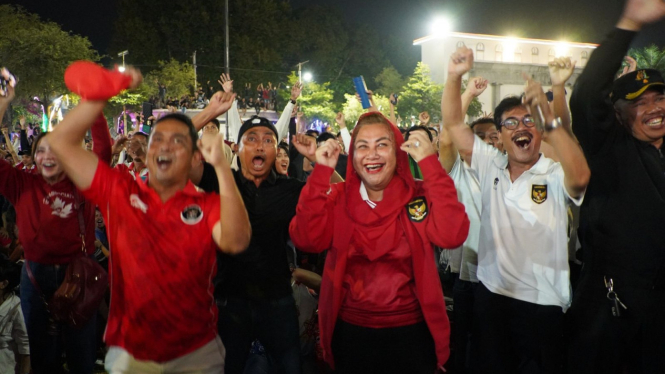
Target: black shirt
{"x": 261, "y": 271}
{"x": 622, "y": 217}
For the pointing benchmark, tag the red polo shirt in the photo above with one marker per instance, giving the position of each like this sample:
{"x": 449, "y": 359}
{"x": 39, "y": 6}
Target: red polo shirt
{"x": 163, "y": 259}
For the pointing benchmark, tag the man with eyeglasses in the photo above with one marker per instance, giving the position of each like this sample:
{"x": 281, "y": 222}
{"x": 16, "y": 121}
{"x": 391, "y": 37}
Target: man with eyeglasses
{"x": 522, "y": 250}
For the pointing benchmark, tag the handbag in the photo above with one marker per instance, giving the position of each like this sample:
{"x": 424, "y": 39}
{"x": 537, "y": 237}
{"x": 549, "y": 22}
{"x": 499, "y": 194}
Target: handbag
{"x": 83, "y": 288}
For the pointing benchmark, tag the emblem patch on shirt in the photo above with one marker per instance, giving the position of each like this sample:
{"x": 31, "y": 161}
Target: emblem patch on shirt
{"x": 61, "y": 209}
{"x": 136, "y": 202}
{"x": 417, "y": 209}
{"x": 192, "y": 215}
{"x": 539, "y": 193}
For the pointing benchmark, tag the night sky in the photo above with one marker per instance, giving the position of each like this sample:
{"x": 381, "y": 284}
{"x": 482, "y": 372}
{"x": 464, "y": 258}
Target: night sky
{"x": 570, "y": 20}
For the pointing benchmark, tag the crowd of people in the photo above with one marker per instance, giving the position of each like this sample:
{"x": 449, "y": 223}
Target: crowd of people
{"x": 263, "y": 98}
{"x": 293, "y": 251}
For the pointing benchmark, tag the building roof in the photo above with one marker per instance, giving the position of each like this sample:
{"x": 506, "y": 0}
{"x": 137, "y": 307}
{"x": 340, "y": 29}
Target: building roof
{"x": 504, "y": 38}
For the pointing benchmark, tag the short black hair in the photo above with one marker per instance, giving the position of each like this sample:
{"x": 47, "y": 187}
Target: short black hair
{"x": 416, "y": 128}
{"x": 283, "y": 146}
{"x": 325, "y": 136}
{"x": 184, "y": 120}
{"x": 482, "y": 121}
{"x": 506, "y": 104}
{"x": 10, "y": 272}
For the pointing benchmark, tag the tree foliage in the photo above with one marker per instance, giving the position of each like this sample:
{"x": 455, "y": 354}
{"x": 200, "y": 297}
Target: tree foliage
{"x": 177, "y": 76}
{"x": 389, "y": 81}
{"x": 352, "y": 108}
{"x": 421, "y": 94}
{"x": 651, "y": 57}
{"x": 38, "y": 52}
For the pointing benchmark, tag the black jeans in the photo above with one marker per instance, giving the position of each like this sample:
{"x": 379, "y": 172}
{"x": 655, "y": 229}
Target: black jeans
{"x": 273, "y": 322}
{"x": 460, "y": 339}
{"x": 399, "y": 350}
{"x": 512, "y": 336}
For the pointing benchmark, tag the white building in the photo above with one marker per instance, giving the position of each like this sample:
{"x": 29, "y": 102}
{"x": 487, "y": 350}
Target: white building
{"x": 501, "y": 60}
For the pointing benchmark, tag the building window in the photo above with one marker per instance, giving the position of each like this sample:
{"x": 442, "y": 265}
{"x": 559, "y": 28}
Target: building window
{"x": 534, "y": 55}
{"x": 460, "y": 44}
{"x": 518, "y": 55}
{"x": 498, "y": 53}
{"x": 552, "y": 55}
{"x": 585, "y": 55}
{"x": 480, "y": 51}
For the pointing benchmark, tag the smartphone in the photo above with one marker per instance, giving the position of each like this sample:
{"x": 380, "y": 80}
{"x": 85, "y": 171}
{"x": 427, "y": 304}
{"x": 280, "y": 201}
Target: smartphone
{"x": 6, "y": 82}
{"x": 361, "y": 89}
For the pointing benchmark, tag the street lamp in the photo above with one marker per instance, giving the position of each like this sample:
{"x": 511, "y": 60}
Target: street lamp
{"x": 123, "y": 54}
{"x": 307, "y": 77}
{"x": 300, "y": 64}
{"x": 124, "y": 109}
{"x": 441, "y": 26}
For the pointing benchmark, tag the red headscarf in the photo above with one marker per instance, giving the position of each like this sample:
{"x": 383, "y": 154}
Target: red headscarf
{"x": 379, "y": 225}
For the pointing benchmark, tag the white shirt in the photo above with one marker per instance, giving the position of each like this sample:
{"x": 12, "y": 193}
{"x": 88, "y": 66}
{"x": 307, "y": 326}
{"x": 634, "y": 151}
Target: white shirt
{"x": 469, "y": 194}
{"x": 522, "y": 249}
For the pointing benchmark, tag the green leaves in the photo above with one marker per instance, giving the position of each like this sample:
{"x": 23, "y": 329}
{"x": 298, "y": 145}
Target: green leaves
{"x": 651, "y": 57}
{"x": 38, "y": 52}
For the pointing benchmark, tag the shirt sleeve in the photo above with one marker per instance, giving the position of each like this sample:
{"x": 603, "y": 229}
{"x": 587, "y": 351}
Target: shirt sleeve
{"x": 213, "y": 213}
{"x": 101, "y": 139}
{"x": 282, "y": 124}
{"x": 19, "y": 332}
{"x": 346, "y": 138}
{"x": 310, "y": 229}
{"x": 105, "y": 182}
{"x": 482, "y": 156}
{"x": 12, "y": 181}
{"x": 560, "y": 180}
{"x": 234, "y": 120}
{"x": 448, "y": 224}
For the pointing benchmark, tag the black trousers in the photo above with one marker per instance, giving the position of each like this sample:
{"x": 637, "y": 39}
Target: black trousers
{"x": 511, "y": 336}
{"x": 460, "y": 338}
{"x": 601, "y": 343}
{"x": 399, "y": 350}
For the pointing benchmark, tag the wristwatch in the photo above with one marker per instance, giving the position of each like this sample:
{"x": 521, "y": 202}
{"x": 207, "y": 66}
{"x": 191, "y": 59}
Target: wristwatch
{"x": 293, "y": 102}
{"x": 553, "y": 125}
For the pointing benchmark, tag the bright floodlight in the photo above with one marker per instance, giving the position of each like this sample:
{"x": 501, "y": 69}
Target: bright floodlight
{"x": 441, "y": 26}
{"x": 562, "y": 49}
{"x": 307, "y": 76}
{"x": 121, "y": 69}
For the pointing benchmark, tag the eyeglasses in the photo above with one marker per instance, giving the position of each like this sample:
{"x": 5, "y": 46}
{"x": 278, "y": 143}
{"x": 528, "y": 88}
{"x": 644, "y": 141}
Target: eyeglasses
{"x": 512, "y": 122}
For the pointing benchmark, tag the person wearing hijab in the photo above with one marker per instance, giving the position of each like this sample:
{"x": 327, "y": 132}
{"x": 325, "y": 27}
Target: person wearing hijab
{"x": 381, "y": 306}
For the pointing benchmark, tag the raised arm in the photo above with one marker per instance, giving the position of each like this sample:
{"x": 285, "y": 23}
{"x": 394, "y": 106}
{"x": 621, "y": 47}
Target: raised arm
{"x": 219, "y": 104}
{"x": 10, "y": 147}
{"x": 79, "y": 164}
{"x": 569, "y": 153}
{"x": 282, "y": 124}
{"x": 590, "y": 105}
{"x": 232, "y": 232}
{"x": 451, "y": 103}
{"x": 101, "y": 140}
{"x": 561, "y": 69}
{"x": 449, "y": 225}
{"x": 310, "y": 229}
{"x": 306, "y": 145}
{"x": 344, "y": 131}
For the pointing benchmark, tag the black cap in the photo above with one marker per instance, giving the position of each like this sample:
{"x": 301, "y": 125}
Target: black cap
{"x": 256, "y": 121}
{"x": 23, "y": 153}
{"x": 634, "y": 84}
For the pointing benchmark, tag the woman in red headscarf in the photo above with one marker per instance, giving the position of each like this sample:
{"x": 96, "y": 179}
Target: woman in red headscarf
{"x": 381, "y": 306}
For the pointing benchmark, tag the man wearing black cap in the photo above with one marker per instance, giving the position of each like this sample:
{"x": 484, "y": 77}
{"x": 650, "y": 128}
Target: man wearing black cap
{"x": 616, "y": 323}
{"x": 254, "y": 290}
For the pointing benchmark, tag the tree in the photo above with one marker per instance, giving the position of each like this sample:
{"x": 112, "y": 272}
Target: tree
{"x": 353, "y": 109}
{"x": 421, "y": 94}
{"x": 177, "y": 77}
{"x": 389, "y": 81}
{"x": 38, "y": 52}
{"x": 316, "y": 100}
{"x": 650, "y": 57}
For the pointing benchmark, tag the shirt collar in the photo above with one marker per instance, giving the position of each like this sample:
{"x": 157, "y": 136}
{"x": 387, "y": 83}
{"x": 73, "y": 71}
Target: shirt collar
{"x": 189, "y": 190}
{"x": 364, "y": 196}
{"x": 272, "y": 178}
{"x": 540, "y": 167}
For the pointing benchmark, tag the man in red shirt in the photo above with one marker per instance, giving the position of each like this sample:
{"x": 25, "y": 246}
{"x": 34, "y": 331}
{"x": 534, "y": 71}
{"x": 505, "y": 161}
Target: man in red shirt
{"x": 162, "y": 314}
